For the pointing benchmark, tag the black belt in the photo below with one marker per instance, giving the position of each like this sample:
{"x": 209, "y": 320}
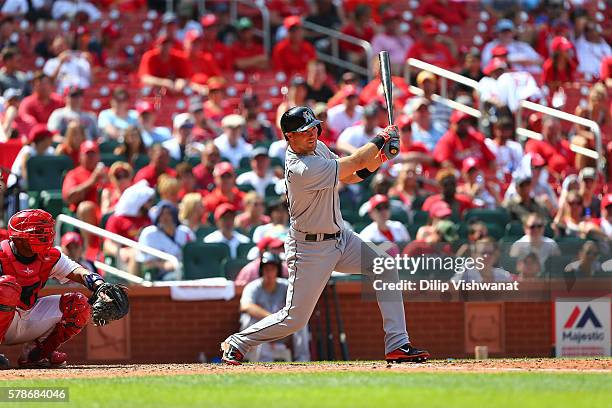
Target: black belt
{"x": 326, "y": 237}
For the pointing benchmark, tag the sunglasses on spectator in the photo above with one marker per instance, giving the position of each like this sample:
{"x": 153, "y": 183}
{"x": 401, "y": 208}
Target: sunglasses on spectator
{"x": 535, "y": 226}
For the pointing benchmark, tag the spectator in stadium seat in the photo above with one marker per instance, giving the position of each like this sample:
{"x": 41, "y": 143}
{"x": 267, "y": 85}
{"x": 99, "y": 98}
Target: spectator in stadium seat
{"x": 292, "y": 54}
{"x": 39, "y": 144}
{"x": 591, "y": 48}
{"x": 248, "y": 54}
{"x": 61, "y": 117}
{"x": 597, "y": 110}
{"x": 120, "y": 176}
{"x": 150, "y": 133}
{"x": 256, "y": 129}
{"x": 522, "y": 203}
{"x": 84, "y": 182}
{"x": 68, "y": 9}
{"x": 383, "y": 229}
{"x": 433, "y": 240}
{"x": 520, "y": 54}
{"x": 211, "y": 43}
{"x": 555, "y": 149}
{"x": 459, "y": 203}
{"x": 167, "y": 235}
{"x": 159, "y": 164}
{"x": 476, "y": 230}
{"x": 12, "y": 125}
{"x": 73, "y": 246}
{"x": 7, "y": 29}
{"x": 560, "y": 67}
{"x": 587, "y": 179}
{"x": 440, "y": 113}
{"x": 203, "y": 172}
{"x": 164, "y": 66}
{"x": 406, "y": 187}
{"x": 573, "y": 219}
{"x": 216, "y": 106}
{"x": 68, "y": 67}
{"x": 169, "y": 28}
{"x": 542, "y": 191}
{"x": 168, "y": 188}
{"x": 346, "y": 114}
{"x": 528, "y": 267}
{"x": 73, "y": 139}
{"x": 204, "y": 128}
{"x": 451, "y": 13}
{"x": 484, "y": 193}
{"x": 201, "y": 63}
{"x": 114, "y": 121}
{"x": 37, "y": 107}
{"x": 392, "y": 39}
{"x": 181, "y": 146}
{"x": 261, "y": 175}
{"x": 225, "y": 215}
{"x": 187, "y": 181}
{"x": 430, "y": 48}
{"x": 132, "y": 146}
{"x": 317, "y": 82}
{"x": 326, "y": 13}
{"x": 424, "y": 130}
{"x": 360, "y": 26}
{"x": 253, "y": 215}
{"x": 230, "y": 143}
{"x": 353, "y": 137}
{"x": 462, "y": 140}
{"x": 587, "y": 265}
{"x": 10, "y": 76}
{"x": 192, "y": 212}
{"x": 296, "y": 96}
{"x": 508, "y": 152}
{"x": 327, "y": 136}
{"x": 534, "y": 240}
{"x": 487, "y": 249}
{"x": 471, "y": 69}
{"x": 225, "y": 190}
{"x": 250, "y": 271}
{"x": 278, "y": 227}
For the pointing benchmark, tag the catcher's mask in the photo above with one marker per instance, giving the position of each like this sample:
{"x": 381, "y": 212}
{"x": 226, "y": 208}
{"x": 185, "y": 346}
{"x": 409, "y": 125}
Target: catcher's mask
{"x": 37, "y": 227}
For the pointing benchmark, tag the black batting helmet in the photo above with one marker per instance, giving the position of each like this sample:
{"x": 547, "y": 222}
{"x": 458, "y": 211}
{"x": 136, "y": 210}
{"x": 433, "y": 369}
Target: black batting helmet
{"x": 299, "y": 119}
{"x": 270, "y": 258}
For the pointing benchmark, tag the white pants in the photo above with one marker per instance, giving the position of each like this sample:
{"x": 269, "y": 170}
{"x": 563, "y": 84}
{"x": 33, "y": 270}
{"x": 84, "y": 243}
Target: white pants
{"x": 36, "y": 323}
{"x": 268, "y": 352}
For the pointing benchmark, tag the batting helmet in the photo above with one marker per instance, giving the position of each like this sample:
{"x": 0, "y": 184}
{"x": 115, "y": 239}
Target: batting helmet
{"x": 270, "y": 258}
{"x": 299, "y": 119}
{"x": 37, "y": 227}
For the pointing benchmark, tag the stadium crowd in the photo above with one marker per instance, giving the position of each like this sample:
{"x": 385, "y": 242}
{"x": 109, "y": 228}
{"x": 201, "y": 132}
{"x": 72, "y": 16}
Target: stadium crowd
{"x": 171, "y": 138}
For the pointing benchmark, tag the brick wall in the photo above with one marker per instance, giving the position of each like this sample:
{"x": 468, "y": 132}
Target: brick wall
{"x": 163, "y": 330}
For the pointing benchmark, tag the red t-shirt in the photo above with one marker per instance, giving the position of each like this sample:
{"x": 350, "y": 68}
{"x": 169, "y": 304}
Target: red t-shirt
{"x": 176, "y": 66}
{"x": 558, "y": 156}
{"x": 550, "y": 74}
{"x": 605, "y": 69}
{"x": 149, "y": 173}
{"x": 220, "y": 53}
{"x": 33, "y": 111}
{"x": 203, "y": 63}
{"x": 239, "y": 51}
{"x": 216, "y": 113}
{"x": 128, "y": 227}
{"x": 291, "y": 60}
{"x": 436, "y": 54}
{"x": 203, "y": 175}
{"x": 453, "y": 13}
{"x": 289, "y": 8}
{"x": 76, "y": 177}
{"x": 401, "y": 91}
{"x": 216, "y": 198}
{"x": 462, "y": 203}
{"x": 366, "y": 34}
{"x": 455, "y": 149}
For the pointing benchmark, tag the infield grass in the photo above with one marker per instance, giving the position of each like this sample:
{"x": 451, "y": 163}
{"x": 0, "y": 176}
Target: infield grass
{"x": 334, "y": 389}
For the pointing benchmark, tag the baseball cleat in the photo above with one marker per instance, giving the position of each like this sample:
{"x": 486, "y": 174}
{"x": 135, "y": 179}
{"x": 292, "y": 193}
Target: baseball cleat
{"x": 57, "y": 359}
{"x": 407, "y": 354}
{"x": 231, "y": 354}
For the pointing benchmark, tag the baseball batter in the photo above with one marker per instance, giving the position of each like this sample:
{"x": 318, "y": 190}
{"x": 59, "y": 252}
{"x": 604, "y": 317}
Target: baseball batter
{"x": 318, "y": 244}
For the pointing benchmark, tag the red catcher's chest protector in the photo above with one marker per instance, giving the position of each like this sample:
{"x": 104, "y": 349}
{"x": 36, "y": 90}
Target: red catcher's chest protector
{"x": 30, "y": 277}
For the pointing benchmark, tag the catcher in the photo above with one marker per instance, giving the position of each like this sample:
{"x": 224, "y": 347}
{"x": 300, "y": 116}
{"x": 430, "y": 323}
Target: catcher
{"x": 27, "y": 261}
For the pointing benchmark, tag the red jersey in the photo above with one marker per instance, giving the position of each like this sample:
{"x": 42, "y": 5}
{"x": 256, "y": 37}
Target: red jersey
{"x": 455, "y": 149}
{"x": 203, "y": 63}
{"x": 204, "y": 177}
{"x": 216, "y": 198}
{"x": 219, "y": 52}
{"x": 149, "y": 173}
{"x": 126, "y": 226}
{"x": 292, "y": 60}
{"x": 176, "y": 66}
{"x": 435, "y": 54}
{"x": 76, "y": 177}
{"x": 239, "y": 51}
{"x": 559, "y": 157}
{"x": 401, "y": 91}
{"x": 33, "y": 111}
{"x": 367, "y": 33}
{"x": 452, "y": 13}
{"x": 550, "y": 74}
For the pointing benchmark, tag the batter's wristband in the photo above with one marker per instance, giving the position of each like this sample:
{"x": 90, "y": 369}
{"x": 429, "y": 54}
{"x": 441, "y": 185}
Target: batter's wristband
{"x": 364, "y": 173}
{"x": 379, "y": 141}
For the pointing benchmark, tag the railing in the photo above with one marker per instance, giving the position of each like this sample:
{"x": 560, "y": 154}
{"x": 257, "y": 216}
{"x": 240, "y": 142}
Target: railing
{"x": 594, "y": 154}
{"x": 334, "y": 58}
{"x": 92, "y": 229}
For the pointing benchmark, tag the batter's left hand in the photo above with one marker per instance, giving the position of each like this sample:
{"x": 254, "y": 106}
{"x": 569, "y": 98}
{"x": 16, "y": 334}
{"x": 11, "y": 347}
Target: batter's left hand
{"x": 392, "y": 143}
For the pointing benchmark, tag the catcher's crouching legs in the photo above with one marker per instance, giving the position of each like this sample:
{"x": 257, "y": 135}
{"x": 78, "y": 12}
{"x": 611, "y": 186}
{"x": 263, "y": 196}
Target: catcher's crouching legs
{"x": 75, "y": 314}
{"x": 9, "y": 299}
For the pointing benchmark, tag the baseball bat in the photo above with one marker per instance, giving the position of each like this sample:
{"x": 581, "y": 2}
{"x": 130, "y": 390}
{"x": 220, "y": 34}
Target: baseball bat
{"x": 331, "y": 355}
{"x": 385, "y": 79}
{"x": 340, "y": 323}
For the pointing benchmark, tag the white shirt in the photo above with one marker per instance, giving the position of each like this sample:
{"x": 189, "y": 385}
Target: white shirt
{"x": 356, "y": 136}
{"x": 606, "y": 227}
{"x": 507, "y": 156}
{"x": 260, "y": 184}
{"x": 270, "y": 230}
{"x": 278, "y": 149}
{"x": 371, "y": 233}
{"x": 191, "y": 149}
{"x": 154, "y": 237}
{"x": 473, "y": 275}
{"x": 397, "y": 45}
{"x": 338, "y": 120}
{"x": 75, "y": 71}
{"x": 64, "y": 267}
{"x": 233, "y": 153}
{"x": 108, "y": 117}
{"x": 513, "y": 87}
{"x": 523, "y": 246}
{"x": 517, "y": 50}
{"x": 69, "y": 9}
{"x": 590, "y": 55}
{"x": 237, "y": 239}
{"x": 20, "y": 6}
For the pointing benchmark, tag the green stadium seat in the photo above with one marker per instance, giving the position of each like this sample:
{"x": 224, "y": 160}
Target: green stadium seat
{"x": 140, "y": 161}
{"x": 420, "y": 217}
{"x": 514, "y": 229}
{"x": 245, "y": 162}
{"x": 109, "y": 158}
{"x": 202, "y": 232}
{"x": 231, "y": 267}
{"x": 555, "y": 265}
{"x": 276, "y": 162}
{"x": 271, "y": 192}
{"x": 47, "y": 172}
{"x": 245, "y": 187}
{"x": 52, "y": 202}
{"x": 194, "y": 161}
{"x": 108, "y": 146}
{"x": 497, "y": 216}
{"x": 202, "y": 260}
{"x": 400, "y": 215}
{"x": 243, "y": 249}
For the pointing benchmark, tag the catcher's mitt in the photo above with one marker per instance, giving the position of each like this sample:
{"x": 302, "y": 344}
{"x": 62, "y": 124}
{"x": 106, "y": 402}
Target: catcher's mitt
{"x": 109, "y": 302}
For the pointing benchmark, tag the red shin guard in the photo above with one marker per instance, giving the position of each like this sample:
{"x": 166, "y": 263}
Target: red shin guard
{"x": 75, "y": 315}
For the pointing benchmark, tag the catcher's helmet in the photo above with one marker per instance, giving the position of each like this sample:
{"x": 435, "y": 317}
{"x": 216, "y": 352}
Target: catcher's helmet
{"x": 299, "y": 119}
{"x": 272, "y": 259}
{"x": 35, "y": 226}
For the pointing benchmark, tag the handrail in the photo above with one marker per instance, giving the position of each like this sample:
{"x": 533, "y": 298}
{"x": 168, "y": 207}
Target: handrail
{"x": 265, "y": 18}
{"x": 92, "y": 229}
{"x": 121, "y": 274}
{"x": 441, "y": 72}
{"x": 335, "y": 36}
{"x": 595, "y": 154}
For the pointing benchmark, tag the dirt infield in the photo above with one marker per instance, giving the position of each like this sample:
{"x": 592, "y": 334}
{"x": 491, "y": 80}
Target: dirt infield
{"x": 111, "y": 370}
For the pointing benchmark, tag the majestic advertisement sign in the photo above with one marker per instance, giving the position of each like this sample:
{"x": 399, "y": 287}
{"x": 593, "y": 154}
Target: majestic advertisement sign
{"x": 582, "y": 327}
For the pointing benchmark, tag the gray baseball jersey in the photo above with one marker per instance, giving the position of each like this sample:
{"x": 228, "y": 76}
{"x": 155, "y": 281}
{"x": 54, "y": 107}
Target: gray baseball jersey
{"x": 312, "y": 183}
